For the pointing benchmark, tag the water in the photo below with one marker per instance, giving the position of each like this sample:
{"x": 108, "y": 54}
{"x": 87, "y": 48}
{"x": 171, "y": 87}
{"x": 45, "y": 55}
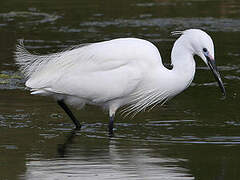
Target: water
{"x": 194, "y": 136}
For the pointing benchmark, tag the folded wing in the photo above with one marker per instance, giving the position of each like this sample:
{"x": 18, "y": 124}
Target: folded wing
{"x": 97, "y": 72}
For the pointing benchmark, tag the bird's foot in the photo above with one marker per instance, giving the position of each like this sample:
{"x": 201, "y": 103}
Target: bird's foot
{"x": 78, "y": 127}
{"x": 111, "y": 134}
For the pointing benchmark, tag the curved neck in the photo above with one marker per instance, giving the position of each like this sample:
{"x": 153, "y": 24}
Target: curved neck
{"x": 183, "y": 62}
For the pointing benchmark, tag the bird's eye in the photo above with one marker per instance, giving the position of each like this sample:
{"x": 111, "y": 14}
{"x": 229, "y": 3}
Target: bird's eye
{"x": 204, "y": 50}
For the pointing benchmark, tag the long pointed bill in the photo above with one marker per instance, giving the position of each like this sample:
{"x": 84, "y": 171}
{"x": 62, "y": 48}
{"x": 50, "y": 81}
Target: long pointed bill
{"x": 213, "y": 67}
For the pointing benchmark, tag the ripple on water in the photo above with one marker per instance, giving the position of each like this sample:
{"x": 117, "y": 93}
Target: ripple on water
{"x": 229, "y": 67}
{"x": 28, "y": 17}
{"x": 14, "y": 120}
{"x": 9, "y": 147}
{"x": 108, "y": 161}
{"x": 11, "y": 80}
{"x": 167, "y": 132}
{"x": 208, "y": 23}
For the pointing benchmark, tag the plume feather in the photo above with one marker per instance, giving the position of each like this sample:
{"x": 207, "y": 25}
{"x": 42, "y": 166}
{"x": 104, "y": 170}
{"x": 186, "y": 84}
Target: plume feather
{"x": 142, "y": 100}
{"x": 29, "y": 63}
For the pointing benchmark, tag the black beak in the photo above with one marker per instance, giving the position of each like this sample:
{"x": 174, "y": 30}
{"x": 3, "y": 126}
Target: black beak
{"x": 213, "y": 67}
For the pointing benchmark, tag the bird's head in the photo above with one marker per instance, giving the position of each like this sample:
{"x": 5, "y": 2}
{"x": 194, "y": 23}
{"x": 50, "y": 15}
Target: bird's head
{"x": 201, "y": 44}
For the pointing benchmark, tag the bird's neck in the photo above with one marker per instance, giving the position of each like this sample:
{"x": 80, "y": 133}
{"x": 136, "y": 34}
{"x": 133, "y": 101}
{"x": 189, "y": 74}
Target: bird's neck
{"x": 183, "y": 62}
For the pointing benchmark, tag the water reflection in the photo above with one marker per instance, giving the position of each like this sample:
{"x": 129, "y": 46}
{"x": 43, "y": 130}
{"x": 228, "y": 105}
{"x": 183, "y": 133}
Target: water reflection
{"x": 62, "y": 148}
{"x": 84, "y": 155}
{"x": 106, "y": 159}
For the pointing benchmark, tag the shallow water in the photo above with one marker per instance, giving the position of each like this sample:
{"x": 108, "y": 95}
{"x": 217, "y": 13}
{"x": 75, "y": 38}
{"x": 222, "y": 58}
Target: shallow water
{"x": 194, "y": 136}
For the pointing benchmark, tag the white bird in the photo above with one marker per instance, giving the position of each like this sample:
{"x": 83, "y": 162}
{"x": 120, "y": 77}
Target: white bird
{"x": 121, "y": 72}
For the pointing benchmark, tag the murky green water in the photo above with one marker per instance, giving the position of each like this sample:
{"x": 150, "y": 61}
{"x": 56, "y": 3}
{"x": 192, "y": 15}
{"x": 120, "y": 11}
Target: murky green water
{"x": 194, "y": 136}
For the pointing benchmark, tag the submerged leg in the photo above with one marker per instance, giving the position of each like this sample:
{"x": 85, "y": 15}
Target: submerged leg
{"x": 69, "y": 113}
{"x": 112, "y": 109}
{"x": 110, "y": 126}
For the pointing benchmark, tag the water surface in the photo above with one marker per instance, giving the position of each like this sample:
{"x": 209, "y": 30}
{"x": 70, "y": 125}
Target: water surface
{"x": 194, "y": 136}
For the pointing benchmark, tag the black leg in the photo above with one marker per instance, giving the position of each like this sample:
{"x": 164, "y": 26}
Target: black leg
{"x": 110, "y": 126}
{"x": 69, "y": 113}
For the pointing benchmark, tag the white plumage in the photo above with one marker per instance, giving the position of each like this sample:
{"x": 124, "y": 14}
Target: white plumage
{"x": 121, "y": 72}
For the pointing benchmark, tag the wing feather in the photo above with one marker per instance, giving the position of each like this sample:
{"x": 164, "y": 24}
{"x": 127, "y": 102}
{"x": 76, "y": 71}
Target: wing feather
{"x": 97, "y": 71}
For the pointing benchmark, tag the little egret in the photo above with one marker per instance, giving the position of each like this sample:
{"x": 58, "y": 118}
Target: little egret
{"x": 124, "y": 72}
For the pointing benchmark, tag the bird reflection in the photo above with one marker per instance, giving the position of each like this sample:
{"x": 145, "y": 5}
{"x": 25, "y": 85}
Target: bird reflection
{"x": 62, "y": 148}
